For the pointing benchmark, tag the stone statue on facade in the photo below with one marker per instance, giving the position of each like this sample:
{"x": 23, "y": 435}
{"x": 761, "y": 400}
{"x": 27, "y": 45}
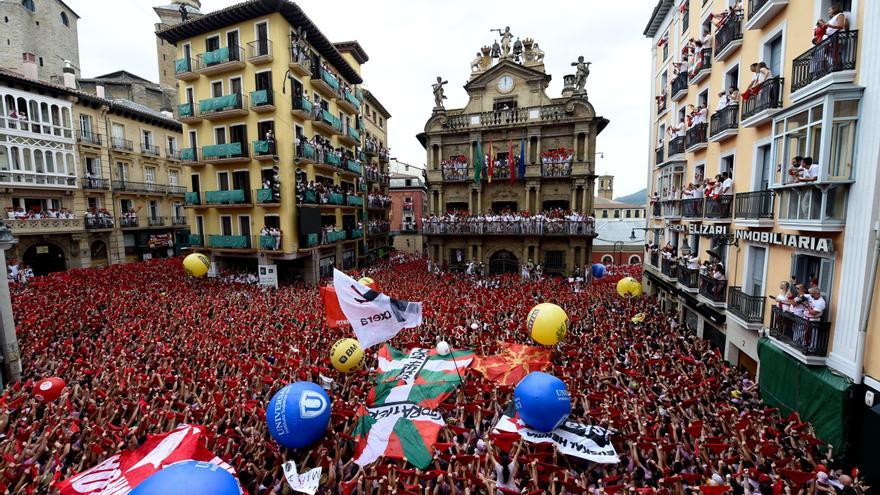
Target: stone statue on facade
{"x": 580, "y": 77}
{"x": 506, "y": 38}
{"x": 482, "y": 60}
{"x": 438, "y": 93}
{"x": 532, "y": 55}
{"x": 477, "y": 63}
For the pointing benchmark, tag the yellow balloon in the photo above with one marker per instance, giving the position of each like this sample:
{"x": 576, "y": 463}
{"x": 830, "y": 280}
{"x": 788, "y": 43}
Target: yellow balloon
{"x": 367, "y": 281}
{"x": 196, "y": 265}
{"x": 346, "y": 355}
{"x": 629, "y": 287}
{"x": 638, "y": 318}
{"x": 547, "y": 324}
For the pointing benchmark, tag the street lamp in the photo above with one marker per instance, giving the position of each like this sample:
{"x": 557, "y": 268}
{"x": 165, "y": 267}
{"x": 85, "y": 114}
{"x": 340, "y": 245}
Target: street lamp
{"x": 8, "y": 339}
{"x": 618, "y": 249}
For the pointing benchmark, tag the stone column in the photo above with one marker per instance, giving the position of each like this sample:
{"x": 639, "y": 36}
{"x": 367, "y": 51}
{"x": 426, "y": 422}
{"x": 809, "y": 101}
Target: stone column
{"x": 538, "y": 198}
{"x": 528, "y": 204}
{"x": 480, "y": 253}
{"x": 8, "y": 337}
{"x": 573, "y": 205}
{"x": 584, "y": 201}
{"x": 442, "y": 207}
{"x": 479, "y": 200}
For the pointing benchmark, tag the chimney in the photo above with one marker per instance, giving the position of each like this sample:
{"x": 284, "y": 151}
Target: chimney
{"x": 69, "y": 76}
{"x": 99, "y": 91}
{"x": 168, "y": 114}
{"x": 29, "y": 65}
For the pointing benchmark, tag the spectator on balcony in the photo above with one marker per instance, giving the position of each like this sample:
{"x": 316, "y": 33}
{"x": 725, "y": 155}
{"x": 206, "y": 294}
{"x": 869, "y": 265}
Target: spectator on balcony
{"x": 815, "y": 306}
{"x": 726, "y": 184}
{"x": 760, "y": 74}
{"x": 837, "y": 20}
{"x": 722, "y": 101}
{"x": 733, "y": 96}
{"x": 809, "y": 171}
{"x": 784, "y": 298}
{"x": 799, "y": 301}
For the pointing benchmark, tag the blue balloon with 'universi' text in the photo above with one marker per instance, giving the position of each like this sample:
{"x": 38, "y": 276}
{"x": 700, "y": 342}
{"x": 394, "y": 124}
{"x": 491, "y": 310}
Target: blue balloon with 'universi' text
{"x": 542, "y": 401}
{"x": 189, "y": 478}
{"x": 298, "y": 414}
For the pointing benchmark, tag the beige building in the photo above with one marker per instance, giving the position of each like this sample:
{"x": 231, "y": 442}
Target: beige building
{"x": 509, "y": 110}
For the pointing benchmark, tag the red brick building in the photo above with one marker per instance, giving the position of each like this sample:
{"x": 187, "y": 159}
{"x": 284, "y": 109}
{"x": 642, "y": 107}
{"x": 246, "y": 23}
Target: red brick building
{"x": 409, "y": 199}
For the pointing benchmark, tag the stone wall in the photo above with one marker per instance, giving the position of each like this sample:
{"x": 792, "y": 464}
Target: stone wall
{"x": 41, "y": 33}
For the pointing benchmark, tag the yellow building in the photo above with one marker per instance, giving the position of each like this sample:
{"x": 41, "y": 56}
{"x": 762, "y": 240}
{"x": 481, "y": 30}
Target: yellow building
{"x": 770, "y": 223}
{"x": 271, "y": 122}
{"x": 86, "y": 181}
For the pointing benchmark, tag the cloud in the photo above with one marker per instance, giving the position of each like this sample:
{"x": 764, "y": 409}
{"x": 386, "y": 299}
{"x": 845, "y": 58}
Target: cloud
{"x": 410, "y": 42}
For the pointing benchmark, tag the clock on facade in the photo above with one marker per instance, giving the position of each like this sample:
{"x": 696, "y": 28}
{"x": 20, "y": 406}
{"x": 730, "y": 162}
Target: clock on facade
{"x": 505, "y": 84}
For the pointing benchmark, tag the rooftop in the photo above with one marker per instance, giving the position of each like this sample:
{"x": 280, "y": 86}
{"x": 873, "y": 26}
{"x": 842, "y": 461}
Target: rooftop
{"x": 609, "y": 231}
{"x": 660, "y": 10}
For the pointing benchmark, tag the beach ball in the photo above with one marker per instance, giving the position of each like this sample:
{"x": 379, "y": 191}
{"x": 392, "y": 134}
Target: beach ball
{"x": 196, "y": 265}
{"x": 547, "y": 324}
{"x": 369, "y": 283}
{"x": 346, "y": 355}
{"x": 542, "y": 401}
{"x": 638, "y": 318}
{"x": 598, "y": 270}
{"x": 49, "y": 389}
{"x": 629, "y": 287}
{"x": 189, "y": 478}
{"x": 443, "y": 348}
{"x": 298, "y": 414}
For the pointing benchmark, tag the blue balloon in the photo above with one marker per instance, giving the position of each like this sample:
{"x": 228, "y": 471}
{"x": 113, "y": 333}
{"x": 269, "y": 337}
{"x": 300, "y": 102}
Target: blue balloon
{"x": 598, "y": 270}
{"x": 298, "y": 414}
{"x": 189, "y": 478}
{"x": 542, "y": 401}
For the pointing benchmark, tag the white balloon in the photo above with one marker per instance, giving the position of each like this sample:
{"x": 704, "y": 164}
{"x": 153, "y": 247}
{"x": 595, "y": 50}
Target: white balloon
{"x": 475, "y": 326}
{"x": 442, "y": 348}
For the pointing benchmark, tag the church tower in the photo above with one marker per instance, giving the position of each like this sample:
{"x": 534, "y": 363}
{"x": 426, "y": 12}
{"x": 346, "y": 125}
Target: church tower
{"x": 606, "y": 187}
{"x": 170, "y": 15}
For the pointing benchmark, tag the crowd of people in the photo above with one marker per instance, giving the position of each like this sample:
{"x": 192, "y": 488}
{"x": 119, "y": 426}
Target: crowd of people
{"x": 19, "y": 213}
{"x": 144, "y": 348}
{"x": 379, "y": 200}
{"x": 557, "y": 162}
{"x": 556, "y": 221}
{"x": 18, "y": 272}
{"x": 99, "y": 218}
{"x": 455, "y": 168}
{"x": 272, "y": 236}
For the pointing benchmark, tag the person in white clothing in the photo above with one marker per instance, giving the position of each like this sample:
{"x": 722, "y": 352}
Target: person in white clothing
{"x": 726, "y": 184}
{"x": 506, "y": 469}
{"x": 837, "y": 20}
{"x": 783, "y": 299}
{"x": 815, "y": 305}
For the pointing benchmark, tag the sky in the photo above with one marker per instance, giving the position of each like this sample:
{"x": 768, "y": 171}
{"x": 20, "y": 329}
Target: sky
{"x": 411, "y": 42}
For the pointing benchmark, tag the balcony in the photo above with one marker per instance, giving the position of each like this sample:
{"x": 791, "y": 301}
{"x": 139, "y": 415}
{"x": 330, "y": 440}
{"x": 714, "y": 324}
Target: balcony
{"x": 175, "y": 190}
{"x": 138, "y": 187}
{"x": 325, "y": 122}
{"x": 374, "y": 230}
{"x": 671, "y": 209}
{"x": 186, "y": 69}
{"x": 189, "y": 155}
{"x": 178, "y": 221}
{"x": 354, "y": 167}
{"x": 654, "y": 260}
{"x": 703, "y": 68}
{"x": 748, "y": 309}
{"x": 300, "y": 61}
{"x": 659, "y": 156}
{"x": 695, "y": 138}
{"x": 267, "y": 242}
{"x": 713, "y": 291}
{"x": 501, "y": 118}
{"x": 763, "y": 11}
{"x": 351, "y": 137}
{"x": 229, "y": 241}
{"x": 692, "y": 208}
{"x": 222, "y": 60}
{"x": 187, "y": 114}
{"x": 676, "y": 149}
{"x": 301, "y": 107}
{"x": 264, "y": 150}
{"x": 565, "y": 228}
{"x": 156, "y": 221}
{"x": 89, "y": 138}
{"x": 259, "y": 52}
{"x": 718, "y": 210}
{"x": 354, "y": 200}
{"x": 455, "y": 172}
{"x": 554, "y": 170}
{"x": 355, "y": 234}
{"x": 225, "y": 153}
{"x": 228, "y": 198}
{"x": 192, "y": 198}
{"x": 813, "y": 208}
{"x": 724, "y": 124}
{"x": 764, "y": 103}
{"x": 328, "y": 160}
{"x": 325, "y": 83}
{"x": 263, "y": 101}
{"x": 196, "y": 240}
{"x": 379, "y": 203}
{"x": 224, "y": 107}
{"x": 729, "y": 37}
{"x": 680, "y": 86}
{"x": 45, "y": 226}
{"x": 833, "y": 61}
{"x": 172, "y": 154}
{"x": 807, "y": 338}
{"x": 150, "y": 150}
{"x": 305, "y": 153}
{"x": 689, "y": 278}
{"x": 267, "y": 198}
{"x": 121, "y": 144}
{"x": 100, "y": 222}
{"x": 662, "y": 103}
{"x": 669, "y": 268}
{"x": 95, "y": 184}
{"x": 753, "y": 209}
{"x": 130, "y": 222}
{"x": 347, "y": 102}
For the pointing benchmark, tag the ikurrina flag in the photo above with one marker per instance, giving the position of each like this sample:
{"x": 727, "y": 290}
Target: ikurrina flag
{"x": 396, "y": 431}
{"x": 513, "y": 363}
{"x": 422, "y": 376}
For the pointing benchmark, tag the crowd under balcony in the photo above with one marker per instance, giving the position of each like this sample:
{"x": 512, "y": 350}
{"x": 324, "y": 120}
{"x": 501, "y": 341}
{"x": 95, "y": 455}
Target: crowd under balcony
{"x": 221, "y": 60}
{"x": 728, "y": 37}
{"x": 680, "y": 86}
{"x": 763, "y": 11}
{"x": 724, "y": 124}
{"x": 765, "y": 102}
{"x": 259, "y": 52}
{"x": 224, "y": 107}
{"x": 703, "y": 67}
{"x": 263, "y": 101}
{"x": 696, "y": 138}
{"x": 831, "y": 61}
{"x": 713, "y": 292}
{"x": 754, "y": 209}
{"x": 748, "y": 309}
{"x": 808, "y": 338}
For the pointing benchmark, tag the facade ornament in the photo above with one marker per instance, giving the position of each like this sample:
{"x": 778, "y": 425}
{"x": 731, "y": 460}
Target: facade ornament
{"x": 506, "y": 37}
{"x": 538, "y": 54}
{"x": 496, "y": 49}
{"x": 580, "y": 77}
{"x": 517, "y": 50}
{"x": 438, "y": 93}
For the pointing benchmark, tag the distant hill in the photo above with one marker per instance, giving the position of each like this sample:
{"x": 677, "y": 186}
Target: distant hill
{"x": 636, "y": 198}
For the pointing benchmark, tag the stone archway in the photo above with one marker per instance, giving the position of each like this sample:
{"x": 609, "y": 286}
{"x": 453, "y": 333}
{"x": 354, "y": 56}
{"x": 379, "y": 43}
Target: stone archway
{"x": 635, "y": 260}
{"x": 44, "y": 257}
{"x": 503, "y": 261}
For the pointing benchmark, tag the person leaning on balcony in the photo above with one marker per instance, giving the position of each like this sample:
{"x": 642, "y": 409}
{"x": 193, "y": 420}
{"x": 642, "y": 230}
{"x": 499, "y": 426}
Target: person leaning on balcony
{"x": 726, "y": 184}
{"x": 733, "y": 95}
{"x": 809, "y": 171}
{"x": 815, "y": 305}
{"x": 799, "y": 301}
{"x": 837, "y": 20}
{"x": 722, "y": 101}
{"x": 784, "y": 298}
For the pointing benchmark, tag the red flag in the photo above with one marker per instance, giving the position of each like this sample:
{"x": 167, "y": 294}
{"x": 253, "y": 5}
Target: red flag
{"x": 491, "y": 164}
{"x": 511, "y": 160}
{"x": 332, "y": 312}
{"x": 797, "y": 477}
{"x": 513, "y": 364}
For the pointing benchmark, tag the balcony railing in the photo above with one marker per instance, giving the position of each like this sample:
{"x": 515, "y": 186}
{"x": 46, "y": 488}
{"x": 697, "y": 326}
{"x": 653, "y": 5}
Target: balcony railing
{"x": 669, "y": 268}
{"x": 755, "y": 6}
{"x": 696, "y": 135}
{"x": 224, "y": 151}
{"x": 504, "y": 117}
{"x": 268, "y": 242}
{"x": 560, "y": 228}
{"x": 44, "y": 225}
{"x": 141, "y": 187}
{"x": 549, "y": 170}
{"x": 196, "y": 240}
{"x": 192, "y": 198}
{"x": 266, "y": 196}
{"x": 220, "y": 56}
{"x": 88, "y": 137}
{"x": 354, "y": 134}
{"x": 99, "y": 222}
{"x": 130, "y": 222}
{"x": 676, "y": 145}
{"x": 713, "y": 289}
{"x": 305, "y": 151}
{"x": 679, "y": 84}
{"x": 354, "y": 200}
{"x": 189, "y": 155}
{"x": 172, "y": 154}
{"x": 178, "y": 221}
{"x": 718, "y": 209}
{"x": 264, "y": 149}
{"x": 725, "y": 119}
{"x": 656, "y": 209}
{"x": 729, "y": 32}
{"x": 753, "y": 205}
{"x": 156, "y": 221}
{"x": 703, "y": 66}
{"x": 659, "y": 157}
{"x": 229, "y": 241}
{"x": 121, "y": 144}
{"x": 748, "y": 308}
{"x": 150, "y": 149}
{"x": 807, "y": 336}
{"x": 185, "y": 66}
{"x": 259, "y": 50}
{"x": 262, "y": 98}
{"x": 692, "y": 208}
{"x": 228, "y": 197}
{"x": 95, "y": 184}
{"x": 767, "y": 97}
{"x": 455, "y": 172}
{"x": 835, "y": 54}
{"x": 671, "y": 208}
{"x": 175, "y": 190}
{"x": 378, "y": 229}
{"x": 302, "y": 105}
{"x": 655, "y": 259}
{"x": 548, "y": 113}
{"x": 689, "y": 277}
{"x": 235, "y": 101}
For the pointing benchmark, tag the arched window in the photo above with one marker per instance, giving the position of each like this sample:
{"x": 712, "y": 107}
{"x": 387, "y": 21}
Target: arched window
{"x": 607, "y": 260}
{"x": 29, "y": 4}
{"x": 64, "y": 19}
{"x": 634, "y": 260}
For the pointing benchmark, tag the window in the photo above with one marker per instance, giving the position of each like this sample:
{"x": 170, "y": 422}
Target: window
{"x": 93, "y": 167}
{"x": 604, "y": 213}
{"x": 703, "y": 98}
{"x": 147, "y": 138}
{"x": 731, "y": 77}
{"x": 212, "y": 43}
{"x": 29, "y": 5}
{"x": 773, "y": 55}
{"x": 225, "y": 225}
{"x": 217, "y": 89}
{"x": 554, "y": 260}
{"x": 607, "y": 260}
{"x": 634, "y": 260}
{"x": 172, "y": 177}
{"x": 64, "y": 19}
{"x": 666, "y": 47}
{"x": 814, "y": 270}
{"x": 154, "y": 209}
{"x": 150, "y": 175}
{"x": 121, "y": 171}
{"x": 172, "y": 145}
{"x": 126, "y": 205}
{"x": 726, "y": 164}
{"x": 223, "y": 181}
{"x": 754, "y": 281}
{"x": 193, "y": 140}
{"x": 616, "y": 213}
{"x": 628, "y": 213}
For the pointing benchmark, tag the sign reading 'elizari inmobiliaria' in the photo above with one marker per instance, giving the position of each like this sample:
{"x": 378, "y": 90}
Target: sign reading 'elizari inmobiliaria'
{"x": 819, "y": 244}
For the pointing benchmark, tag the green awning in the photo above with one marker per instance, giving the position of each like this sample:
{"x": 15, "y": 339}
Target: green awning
{"x": 188, "y": 154}
{"x": 336, "y": 199}
{"x": 195, "y": 240}
{"x": 229, "y": 241}
{"x": 216, "y": 57}
{"x": 234, "y": 196}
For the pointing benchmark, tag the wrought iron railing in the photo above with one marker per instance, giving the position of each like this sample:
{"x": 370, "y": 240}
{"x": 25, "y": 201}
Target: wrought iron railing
{"x": 728, "y": 32}
{"x": 768, "y": 96}
{"x": 807, "y": 336}
{"x": 713, "y": 289}
{"x": 753, "y": 205}
{"x": 484, "y": 227}
{"x": 689, "y": 277}
{"x": 680, "y": 83}
{"x": 696, "y": 135}
{"x": 724, "y": 120}
{"x": 692, "y": 208}
{"x": 669, "y": 267}
{"x": 749, "y": 308}
{"x": 718, "y": 208}
{"x": 834, "y": 54}
{"x": 676, "y": 145}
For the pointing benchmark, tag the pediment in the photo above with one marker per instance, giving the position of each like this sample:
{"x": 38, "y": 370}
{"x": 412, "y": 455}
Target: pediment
{"x": 506, "y": 67}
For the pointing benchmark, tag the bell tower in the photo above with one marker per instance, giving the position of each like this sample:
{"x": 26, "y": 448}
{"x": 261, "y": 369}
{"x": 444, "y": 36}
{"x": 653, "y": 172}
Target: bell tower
{"x": 606, "y": 186}
{"x": 171, "y": 15}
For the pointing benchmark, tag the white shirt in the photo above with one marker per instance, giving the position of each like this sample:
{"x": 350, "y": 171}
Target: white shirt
{"x": 817, "y": 307}
{"x": 813, "y": 171}
{"x": 727, "y": 186}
